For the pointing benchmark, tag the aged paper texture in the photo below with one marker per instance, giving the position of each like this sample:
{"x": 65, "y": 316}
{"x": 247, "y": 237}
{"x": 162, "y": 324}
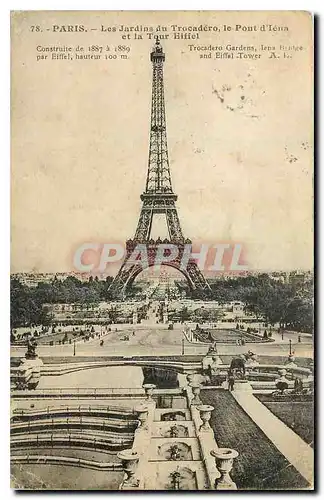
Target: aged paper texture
{"x": 162, "y": 250}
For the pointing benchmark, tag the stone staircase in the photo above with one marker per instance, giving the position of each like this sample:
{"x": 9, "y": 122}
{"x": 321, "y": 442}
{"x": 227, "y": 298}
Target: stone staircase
{"x": 172, "y": 448}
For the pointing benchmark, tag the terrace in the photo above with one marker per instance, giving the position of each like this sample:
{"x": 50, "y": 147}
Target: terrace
{"x": 96, "y": 417}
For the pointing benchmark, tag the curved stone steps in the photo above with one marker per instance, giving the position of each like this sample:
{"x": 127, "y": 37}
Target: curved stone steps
{"x": 111, "y": 441}
{"x": 99, "y": 424}
{"x": 117, "y": 413}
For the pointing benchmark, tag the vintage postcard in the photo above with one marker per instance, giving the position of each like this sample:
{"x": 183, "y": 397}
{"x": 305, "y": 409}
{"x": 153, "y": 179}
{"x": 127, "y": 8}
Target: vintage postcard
{"x": 162, "y": 250}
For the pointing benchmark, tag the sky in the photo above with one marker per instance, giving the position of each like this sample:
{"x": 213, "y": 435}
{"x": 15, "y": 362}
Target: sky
{"x": 240, "y": 135}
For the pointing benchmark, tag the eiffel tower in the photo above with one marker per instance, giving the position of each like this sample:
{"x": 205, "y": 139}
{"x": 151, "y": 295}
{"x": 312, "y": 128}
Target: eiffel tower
{"x": 158, "y": 198}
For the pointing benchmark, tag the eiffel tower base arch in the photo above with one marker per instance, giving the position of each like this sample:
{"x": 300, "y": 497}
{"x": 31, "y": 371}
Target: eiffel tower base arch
{"x": 129, "y": 271}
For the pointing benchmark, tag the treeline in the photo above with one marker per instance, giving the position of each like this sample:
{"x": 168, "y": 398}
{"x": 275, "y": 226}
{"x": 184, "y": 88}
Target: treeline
{"x": 71, "y": 290}
{"x": 27, "y": 303}
{"x": 26, "y": 308}
{"x": 276, "y": 302}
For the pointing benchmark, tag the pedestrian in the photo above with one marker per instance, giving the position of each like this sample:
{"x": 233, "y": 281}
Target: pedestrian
{"x": 231, "y": 382}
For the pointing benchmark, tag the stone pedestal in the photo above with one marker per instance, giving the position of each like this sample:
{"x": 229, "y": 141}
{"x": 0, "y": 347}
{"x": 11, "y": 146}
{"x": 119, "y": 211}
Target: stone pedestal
{"x": 290, "y": 363}
{"x": 29, "y": 373}
{"x": 224, "y": 462}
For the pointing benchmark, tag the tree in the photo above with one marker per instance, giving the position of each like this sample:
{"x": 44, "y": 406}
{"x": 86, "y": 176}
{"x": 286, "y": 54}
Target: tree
{"x": 184, "y": 314}
{"x": 299, "y": 315}
{"x": 26, "y": 308}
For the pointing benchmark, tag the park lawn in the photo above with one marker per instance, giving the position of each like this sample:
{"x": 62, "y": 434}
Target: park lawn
{"x": 231, "y": 336}
{"x": 259, "y": 466}
{"x": 298, "y": 415}
{"x": 55, "y": 337}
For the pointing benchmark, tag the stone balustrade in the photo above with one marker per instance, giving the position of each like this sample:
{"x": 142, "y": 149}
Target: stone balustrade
{"x": 141, "y": 446}
{"x": 206, "y": 441}
{"x": 217, "y": 471}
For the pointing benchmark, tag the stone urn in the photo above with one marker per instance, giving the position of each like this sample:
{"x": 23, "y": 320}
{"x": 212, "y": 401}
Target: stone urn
{"x": 129, "y": 459}
{"x": 142, "y": 413}
{"x": 205, "y": 414}
{"x": 224, "y": 462}
{"x": 196, "y": 392}
{"x": 149, "y": 388}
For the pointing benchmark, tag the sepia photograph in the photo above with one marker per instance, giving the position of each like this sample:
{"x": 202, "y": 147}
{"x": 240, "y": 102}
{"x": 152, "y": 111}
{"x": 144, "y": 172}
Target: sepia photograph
{"x": 162, "y": 251}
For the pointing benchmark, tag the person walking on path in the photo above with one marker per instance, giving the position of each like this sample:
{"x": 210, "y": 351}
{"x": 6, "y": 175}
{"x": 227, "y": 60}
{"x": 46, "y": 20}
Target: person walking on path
{"x": 231, "y": 382}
